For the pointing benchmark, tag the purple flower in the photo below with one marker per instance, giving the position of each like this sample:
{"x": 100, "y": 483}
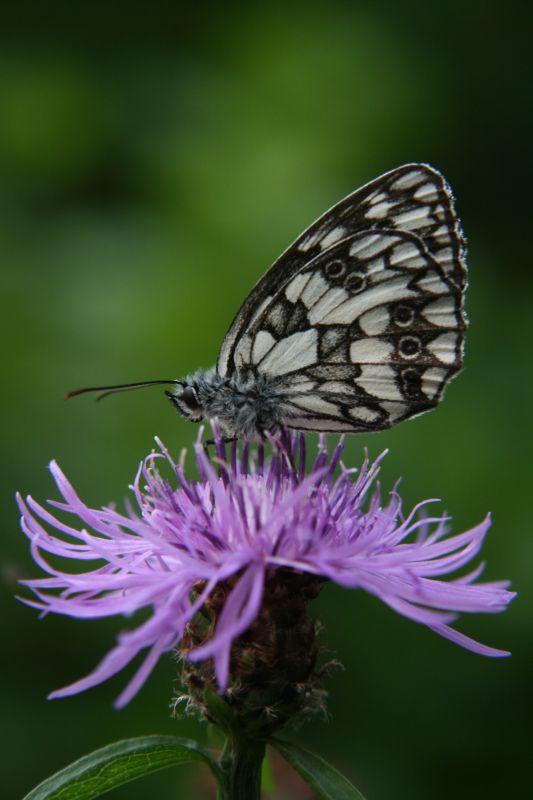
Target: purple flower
{"x": 246, "y": 517}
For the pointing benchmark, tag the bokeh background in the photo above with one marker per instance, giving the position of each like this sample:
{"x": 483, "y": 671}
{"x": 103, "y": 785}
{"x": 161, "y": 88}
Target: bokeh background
{"x": 154, "y": 160}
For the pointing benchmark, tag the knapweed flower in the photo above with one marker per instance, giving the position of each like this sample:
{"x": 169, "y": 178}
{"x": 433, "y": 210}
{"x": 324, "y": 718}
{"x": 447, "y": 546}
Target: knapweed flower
{"x": 244, "y": 546}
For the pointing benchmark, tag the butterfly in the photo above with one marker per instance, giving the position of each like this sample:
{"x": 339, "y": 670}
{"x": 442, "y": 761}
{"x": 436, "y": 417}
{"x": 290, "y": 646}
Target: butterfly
{"x": 357, "y": 326}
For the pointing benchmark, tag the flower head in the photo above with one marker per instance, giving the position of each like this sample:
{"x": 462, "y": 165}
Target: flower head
{"x": 223, "y": 541}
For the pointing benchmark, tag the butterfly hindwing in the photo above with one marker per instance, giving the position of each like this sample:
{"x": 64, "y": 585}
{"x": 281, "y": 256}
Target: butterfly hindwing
{"x": 360, "y": 321}
{"x": 367, "y": 334}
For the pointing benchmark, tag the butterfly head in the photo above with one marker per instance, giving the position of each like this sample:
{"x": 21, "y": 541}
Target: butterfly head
{"x": 186, "y": 396}
{"x": 185, "y": 399}
{"x": 192, "y": 397}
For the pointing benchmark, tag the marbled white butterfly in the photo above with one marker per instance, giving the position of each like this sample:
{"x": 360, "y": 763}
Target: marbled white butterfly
{"x": 357, "y": 326}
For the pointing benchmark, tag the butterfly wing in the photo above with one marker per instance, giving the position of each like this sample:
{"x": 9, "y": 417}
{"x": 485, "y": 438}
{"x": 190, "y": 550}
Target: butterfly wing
{"x": 360, "y": 321}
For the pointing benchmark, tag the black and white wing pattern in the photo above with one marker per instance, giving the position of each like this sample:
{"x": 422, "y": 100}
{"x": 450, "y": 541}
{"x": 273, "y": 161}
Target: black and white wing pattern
{"x": 360, "y": 322}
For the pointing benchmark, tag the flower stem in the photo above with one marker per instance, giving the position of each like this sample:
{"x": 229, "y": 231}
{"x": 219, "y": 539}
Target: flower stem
{"x": 241, "y": 763}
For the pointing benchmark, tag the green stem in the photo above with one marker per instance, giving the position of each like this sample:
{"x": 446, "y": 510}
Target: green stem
{"x": 241, "y": 763}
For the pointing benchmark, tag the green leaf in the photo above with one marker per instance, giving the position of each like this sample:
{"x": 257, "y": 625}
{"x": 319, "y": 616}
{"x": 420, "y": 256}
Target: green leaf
{"x": 268, "y": 785}
{"x": 324, "y": 779}
{"x": 118, "y": 763}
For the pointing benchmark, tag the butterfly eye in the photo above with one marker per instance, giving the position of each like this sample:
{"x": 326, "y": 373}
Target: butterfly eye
{"x": 355, "y": 283}
{"x": 411, "y": 381}
{"x": 409, "y": 346}
{"x": 404, "y": 315}
{"x": 335, "y": 269}
{"x": 188, "y": 396}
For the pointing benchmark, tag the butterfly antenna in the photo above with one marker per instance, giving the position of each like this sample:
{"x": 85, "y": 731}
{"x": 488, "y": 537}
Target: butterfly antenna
{"x": 125, "y": 387}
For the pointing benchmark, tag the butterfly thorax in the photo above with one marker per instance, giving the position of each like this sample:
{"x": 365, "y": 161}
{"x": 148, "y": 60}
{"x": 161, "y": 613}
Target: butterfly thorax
{"x": 245, "y": 404}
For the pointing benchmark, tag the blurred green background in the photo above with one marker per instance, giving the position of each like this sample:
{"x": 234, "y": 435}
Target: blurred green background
{"x": 154, "y": 160}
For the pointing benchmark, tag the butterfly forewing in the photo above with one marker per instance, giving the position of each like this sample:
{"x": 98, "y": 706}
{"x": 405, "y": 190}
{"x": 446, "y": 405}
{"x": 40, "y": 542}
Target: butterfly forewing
{"x": 360, "y": 321}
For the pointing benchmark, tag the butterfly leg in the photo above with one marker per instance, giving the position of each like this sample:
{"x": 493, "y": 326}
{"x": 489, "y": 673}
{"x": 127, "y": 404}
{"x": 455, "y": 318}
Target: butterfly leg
{"x": 224, "y": 440}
